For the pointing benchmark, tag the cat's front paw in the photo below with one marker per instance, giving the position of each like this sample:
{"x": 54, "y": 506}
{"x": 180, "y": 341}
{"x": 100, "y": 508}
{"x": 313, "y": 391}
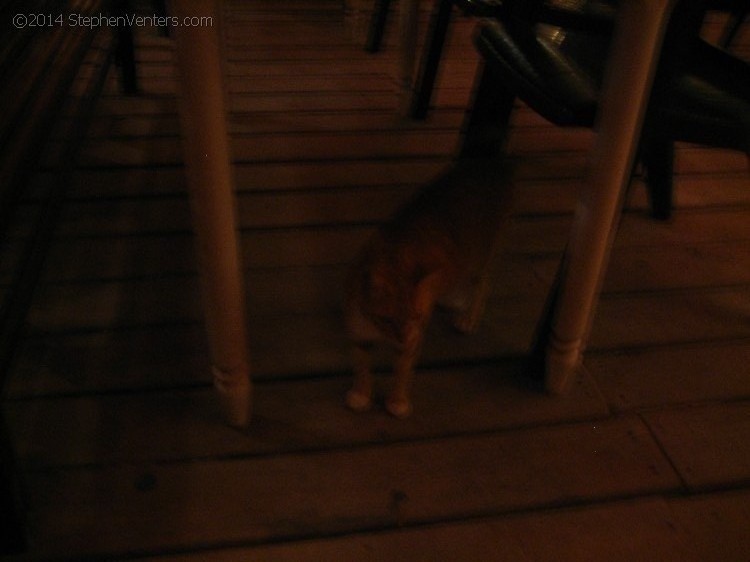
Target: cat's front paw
{"x": 399, "y": 407}
{"x": 357, "y": 401}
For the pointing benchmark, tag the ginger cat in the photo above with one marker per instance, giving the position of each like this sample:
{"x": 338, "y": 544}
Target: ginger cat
{"x": 435, "y": 250}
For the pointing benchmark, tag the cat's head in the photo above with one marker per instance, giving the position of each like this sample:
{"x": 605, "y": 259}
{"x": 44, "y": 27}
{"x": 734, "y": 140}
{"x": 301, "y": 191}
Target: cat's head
{"x": 386, "y": 300}
{"x": 377, "y": 307}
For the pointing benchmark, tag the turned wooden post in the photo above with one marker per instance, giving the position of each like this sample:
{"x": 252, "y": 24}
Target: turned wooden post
{"x": 209, "y": 178}
{"x": 635, "y": 51}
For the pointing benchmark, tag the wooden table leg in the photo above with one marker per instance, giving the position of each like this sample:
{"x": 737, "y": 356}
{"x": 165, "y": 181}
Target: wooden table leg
{"x": 209, "y": 178}
{"x": 635, "y": 50}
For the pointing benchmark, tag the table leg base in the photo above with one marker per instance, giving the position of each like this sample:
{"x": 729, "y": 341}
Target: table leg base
{"x": 234, "y": 390}
{"x": 562, "y": 363}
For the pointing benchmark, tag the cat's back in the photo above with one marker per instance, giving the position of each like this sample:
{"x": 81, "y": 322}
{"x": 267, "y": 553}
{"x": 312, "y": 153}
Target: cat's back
{"x": 466, "y": 203}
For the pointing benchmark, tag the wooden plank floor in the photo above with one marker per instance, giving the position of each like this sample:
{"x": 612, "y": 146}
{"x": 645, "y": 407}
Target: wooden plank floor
{"x": 120, "y": 444}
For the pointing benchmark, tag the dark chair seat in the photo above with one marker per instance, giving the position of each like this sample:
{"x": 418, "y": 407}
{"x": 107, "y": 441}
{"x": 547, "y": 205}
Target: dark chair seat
{"x": 554, "y": 73}
{"x": 569, "y": 14}
{"x": 590, "y": 16}
{"x": 707, "y": 104}
{"x": 703, "y": 97}
{"x": 547, "y": 80}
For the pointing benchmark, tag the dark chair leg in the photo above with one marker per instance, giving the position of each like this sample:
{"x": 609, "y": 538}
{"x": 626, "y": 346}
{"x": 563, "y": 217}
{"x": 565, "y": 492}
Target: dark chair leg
{"x": 377, "y": 25}
{"x": 436, "y": 34}
{"x": 125, "y": 53}
{"x": 488, "y": 118}
{"x": 160, "y": 9}
{"x": 736, "y": 19}
{"x": 658, "y": 159}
